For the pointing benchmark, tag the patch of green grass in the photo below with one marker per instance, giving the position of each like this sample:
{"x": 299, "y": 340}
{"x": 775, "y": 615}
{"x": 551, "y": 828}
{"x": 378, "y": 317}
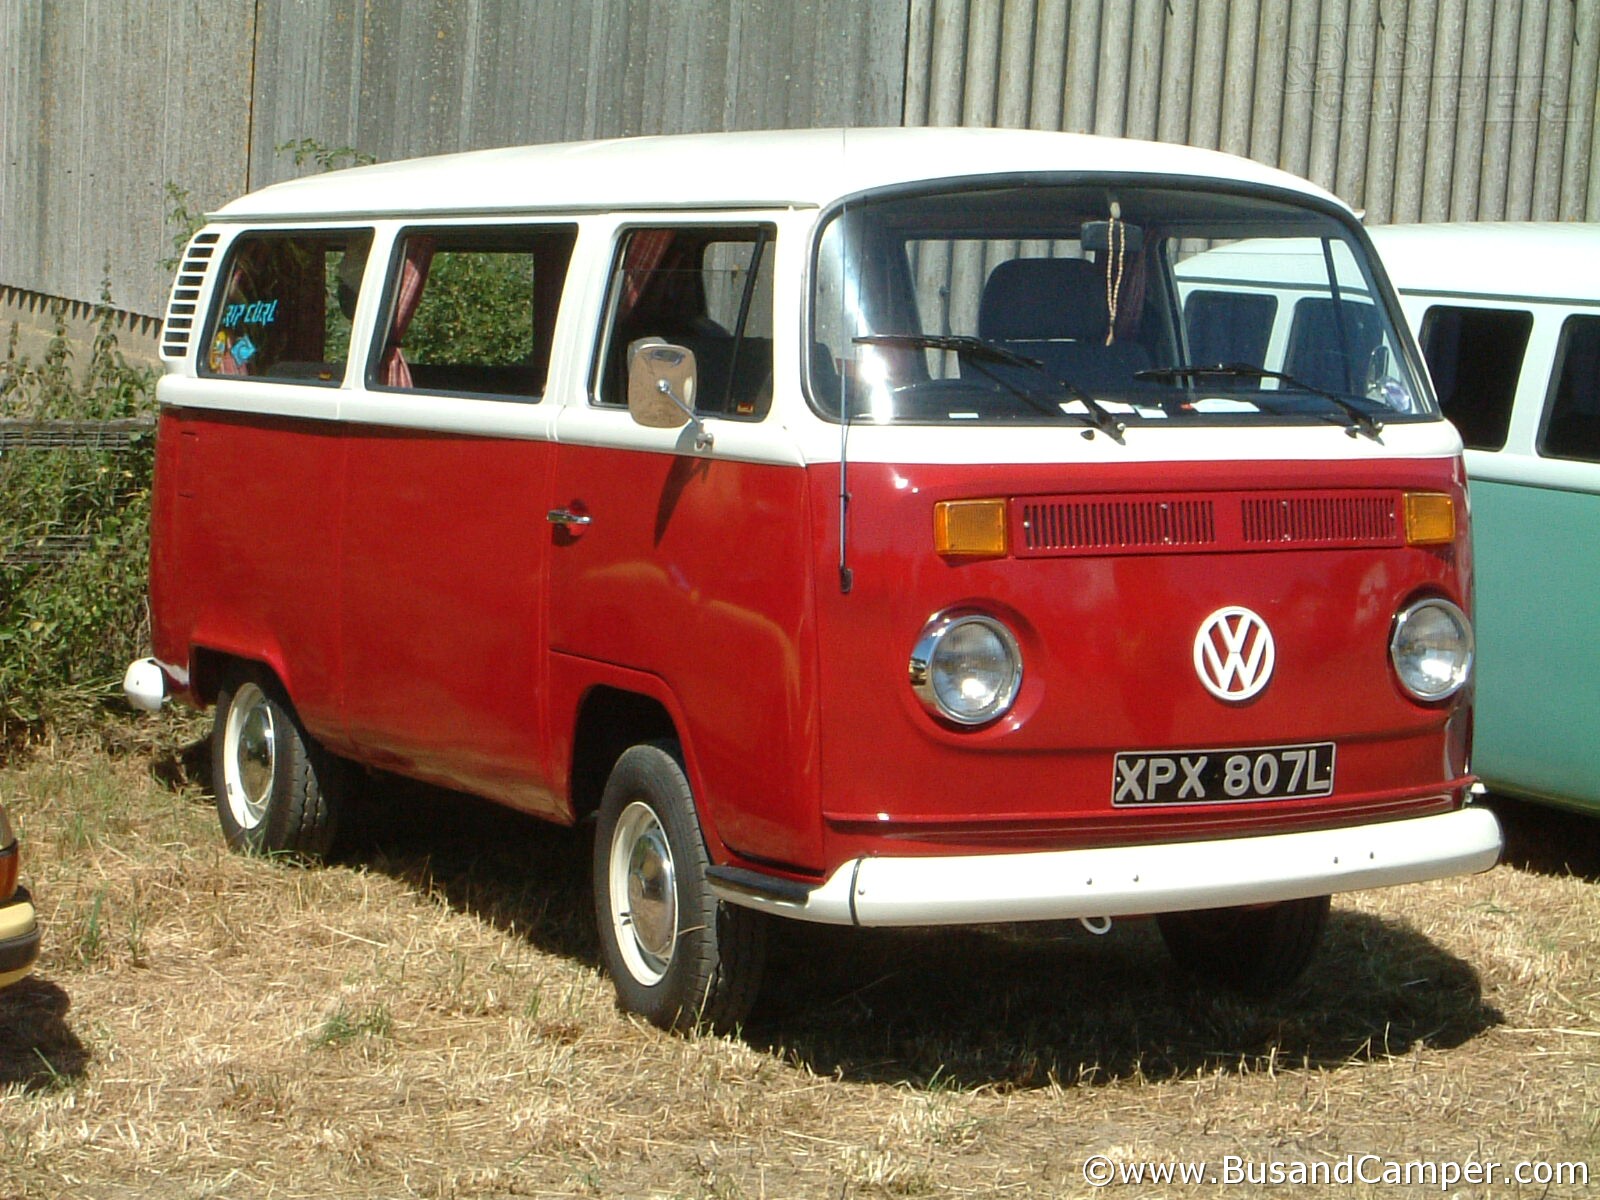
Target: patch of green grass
{"x": 89, "y": 939}
{"x": 346, "y": 1024}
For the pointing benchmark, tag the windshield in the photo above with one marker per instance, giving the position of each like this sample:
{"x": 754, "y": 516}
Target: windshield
{"x": 1101, "y": 304}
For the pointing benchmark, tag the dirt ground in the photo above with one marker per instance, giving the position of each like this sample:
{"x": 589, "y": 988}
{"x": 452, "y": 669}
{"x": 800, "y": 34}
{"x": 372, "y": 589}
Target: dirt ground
{"x": 425, "y": 1017}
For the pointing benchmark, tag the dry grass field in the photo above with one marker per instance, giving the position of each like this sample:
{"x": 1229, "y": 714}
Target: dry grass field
{"x": 425, "y": 1018}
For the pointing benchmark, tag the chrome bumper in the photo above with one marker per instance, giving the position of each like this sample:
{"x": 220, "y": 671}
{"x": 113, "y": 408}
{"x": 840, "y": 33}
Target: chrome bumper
{"x": 1118, "y": 881}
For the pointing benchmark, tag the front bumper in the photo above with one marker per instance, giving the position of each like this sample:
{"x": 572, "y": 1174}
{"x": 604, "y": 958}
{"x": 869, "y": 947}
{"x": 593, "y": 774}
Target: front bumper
{"x": 1120, "y": 881}
{"x": 19, "y": 938}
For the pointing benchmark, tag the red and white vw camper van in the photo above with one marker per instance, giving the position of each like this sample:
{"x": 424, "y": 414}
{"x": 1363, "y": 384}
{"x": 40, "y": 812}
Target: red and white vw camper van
{"x": 859, "y": 526}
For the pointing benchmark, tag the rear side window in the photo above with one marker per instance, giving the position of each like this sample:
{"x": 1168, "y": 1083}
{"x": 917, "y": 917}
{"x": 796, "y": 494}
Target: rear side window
{"x": 708, "y": 288}
{"x": 283, "y": 312}
{"x": 1475, "y": 358}
{"x": 1572, "y": 428}
{"x": 472, "y": 311}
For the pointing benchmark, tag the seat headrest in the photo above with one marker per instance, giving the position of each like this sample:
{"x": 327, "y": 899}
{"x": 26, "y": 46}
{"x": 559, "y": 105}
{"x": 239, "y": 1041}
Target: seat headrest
{"x": 1044, "y": 299}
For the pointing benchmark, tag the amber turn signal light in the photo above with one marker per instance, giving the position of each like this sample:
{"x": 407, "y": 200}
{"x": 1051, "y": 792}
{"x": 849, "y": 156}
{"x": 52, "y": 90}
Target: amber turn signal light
{"x": 970, "y": 528}
{"x": 1430, "y": 519}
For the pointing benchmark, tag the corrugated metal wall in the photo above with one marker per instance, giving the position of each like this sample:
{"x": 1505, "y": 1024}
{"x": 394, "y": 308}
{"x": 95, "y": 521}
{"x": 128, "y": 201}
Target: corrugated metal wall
{"x": 1413, "y": 109}
{"x": 1416, "y": 110}
{"x": 104, "y": 104}
{"x": 101, "y": 105}
{"x": 399, "y": 79}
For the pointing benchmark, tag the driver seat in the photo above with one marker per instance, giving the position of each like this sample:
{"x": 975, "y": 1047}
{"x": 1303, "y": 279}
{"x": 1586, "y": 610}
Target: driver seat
{"x": 1054, "y": 310}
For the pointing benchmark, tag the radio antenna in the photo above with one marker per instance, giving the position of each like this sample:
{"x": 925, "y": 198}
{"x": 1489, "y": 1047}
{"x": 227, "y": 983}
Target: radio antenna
{"x": 846, "y": 576}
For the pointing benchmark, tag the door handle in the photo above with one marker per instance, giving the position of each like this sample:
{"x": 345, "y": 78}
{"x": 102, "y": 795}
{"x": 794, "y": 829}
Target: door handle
{"x": 567, "y": 517}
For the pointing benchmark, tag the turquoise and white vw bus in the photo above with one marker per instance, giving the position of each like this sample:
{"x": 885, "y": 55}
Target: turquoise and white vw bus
{"x": 1508, "y": 316}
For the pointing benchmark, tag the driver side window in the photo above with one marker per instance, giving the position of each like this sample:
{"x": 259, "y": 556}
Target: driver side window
{"x": 708, "y": 289}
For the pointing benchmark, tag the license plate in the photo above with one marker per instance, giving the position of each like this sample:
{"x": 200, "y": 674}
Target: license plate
{"x": 1223, "y": 776}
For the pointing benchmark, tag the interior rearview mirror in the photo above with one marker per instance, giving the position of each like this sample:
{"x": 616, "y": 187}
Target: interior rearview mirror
{"x": 661, "y": 380}
{"x": 1098, "y": 235}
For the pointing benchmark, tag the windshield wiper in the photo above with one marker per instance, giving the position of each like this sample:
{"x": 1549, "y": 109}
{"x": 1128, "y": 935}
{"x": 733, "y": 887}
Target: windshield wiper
{"x": 980, "y": 351}
{"x": 1360, "y": 420}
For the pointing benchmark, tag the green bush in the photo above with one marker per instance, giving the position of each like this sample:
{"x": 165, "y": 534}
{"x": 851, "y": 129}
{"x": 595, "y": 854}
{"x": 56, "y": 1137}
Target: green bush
{"x": 475, "y": 309}
{"x": 71, "y": 621}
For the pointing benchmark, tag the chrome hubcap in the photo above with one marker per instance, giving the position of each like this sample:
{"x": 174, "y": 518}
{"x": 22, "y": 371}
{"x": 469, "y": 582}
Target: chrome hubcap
{"x": 251, "y": 755}
{"x": 644, "y": 893}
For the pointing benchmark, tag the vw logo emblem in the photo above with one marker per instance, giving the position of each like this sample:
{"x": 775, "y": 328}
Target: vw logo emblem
{"x": 1233, "y": 654}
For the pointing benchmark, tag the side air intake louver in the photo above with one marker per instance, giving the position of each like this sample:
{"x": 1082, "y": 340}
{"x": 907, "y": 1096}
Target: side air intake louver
{"x": 183, "y": 308}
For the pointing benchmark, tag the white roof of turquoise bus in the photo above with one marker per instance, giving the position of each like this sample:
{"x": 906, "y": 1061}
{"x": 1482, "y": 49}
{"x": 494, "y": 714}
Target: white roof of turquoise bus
{"x": 1263, "y": 263}
{"x": 797, "y": 168}
{"x": 1554, "y": 262}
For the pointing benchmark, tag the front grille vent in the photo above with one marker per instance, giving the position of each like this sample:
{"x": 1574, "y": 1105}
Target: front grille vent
{"x": 1219, "y": 522}
{"x": 1110, "y": 525}
{"x": 1320, "y": 520}
{"x": 183, "y": 308}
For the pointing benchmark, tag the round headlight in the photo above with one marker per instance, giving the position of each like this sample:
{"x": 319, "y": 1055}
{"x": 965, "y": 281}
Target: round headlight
{"x": 1432, "y": 649}
{"x": 966, "y": 668}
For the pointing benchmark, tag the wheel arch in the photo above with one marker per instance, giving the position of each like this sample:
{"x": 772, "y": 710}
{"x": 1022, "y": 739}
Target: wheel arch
{"x": 600, "y": 709}
{"x": 211, "y": 666}
{"x": 609, "y": 720}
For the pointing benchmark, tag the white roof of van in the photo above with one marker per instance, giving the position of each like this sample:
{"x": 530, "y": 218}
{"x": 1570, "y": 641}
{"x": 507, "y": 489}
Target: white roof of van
{"x": 1493, "y": 258}
{"x": 785, "y": 168}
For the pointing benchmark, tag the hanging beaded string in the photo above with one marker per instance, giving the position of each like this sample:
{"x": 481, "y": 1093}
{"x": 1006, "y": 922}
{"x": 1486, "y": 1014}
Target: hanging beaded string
{"x": 1117, "y": 244}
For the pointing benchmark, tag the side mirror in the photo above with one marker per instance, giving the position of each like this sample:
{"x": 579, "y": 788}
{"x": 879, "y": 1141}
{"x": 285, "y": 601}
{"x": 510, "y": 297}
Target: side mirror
{"x": 661, "y": 379}
{"x": 1377, "y": 366}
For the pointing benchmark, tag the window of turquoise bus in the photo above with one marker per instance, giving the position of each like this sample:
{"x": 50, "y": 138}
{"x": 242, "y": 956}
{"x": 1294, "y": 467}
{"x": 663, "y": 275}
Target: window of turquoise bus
{"x": 1571, "y": 427}
{"x": 1475, "y": 358}
{"x": 282, "y": 312}
{"x": 706, "y": 287}
{"x": 924, "y": 300}
{"x": 471, "y": 310}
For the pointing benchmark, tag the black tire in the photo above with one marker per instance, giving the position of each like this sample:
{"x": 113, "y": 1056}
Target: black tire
{"x": 277, "y": 790}
{"x": 1255, "y": 950}
{"x": 678, "y": 956}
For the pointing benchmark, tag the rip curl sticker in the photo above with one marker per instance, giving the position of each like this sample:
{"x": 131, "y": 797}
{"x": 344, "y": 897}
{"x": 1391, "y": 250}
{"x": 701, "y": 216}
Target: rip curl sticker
{"x": 219, "y": 347}
{"x": 259, "y": 312}
{"x": 243, "y": 351}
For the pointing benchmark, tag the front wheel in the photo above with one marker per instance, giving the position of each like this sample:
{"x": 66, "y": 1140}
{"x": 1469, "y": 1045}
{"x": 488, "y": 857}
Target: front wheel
{"x": 278, "y": 792}
{"x": 1255, "y": 950}
{"x": 678, "y": 956}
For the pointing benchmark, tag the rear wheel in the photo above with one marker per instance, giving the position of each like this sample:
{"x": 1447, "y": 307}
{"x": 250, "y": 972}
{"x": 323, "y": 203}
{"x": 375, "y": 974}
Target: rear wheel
{"x": 678, "y": 956}
{"x": 1255, "y": 950}
{"x": 278, "y": 791}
